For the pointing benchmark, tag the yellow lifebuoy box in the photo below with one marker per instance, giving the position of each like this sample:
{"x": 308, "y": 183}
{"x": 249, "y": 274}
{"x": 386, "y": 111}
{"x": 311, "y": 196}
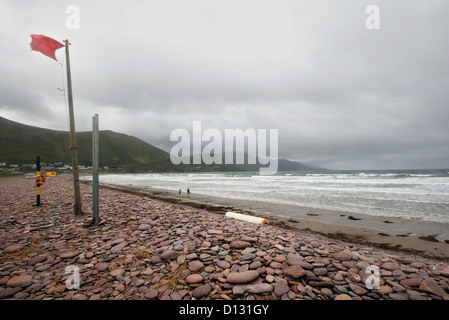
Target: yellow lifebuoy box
{"x": 50, "y": 174}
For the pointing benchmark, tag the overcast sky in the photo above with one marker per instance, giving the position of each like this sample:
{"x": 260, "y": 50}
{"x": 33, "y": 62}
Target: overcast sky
{"x": 342, "y": 96}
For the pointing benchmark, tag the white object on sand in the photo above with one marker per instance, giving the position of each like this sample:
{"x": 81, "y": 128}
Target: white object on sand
{"x": 245, "y": 217}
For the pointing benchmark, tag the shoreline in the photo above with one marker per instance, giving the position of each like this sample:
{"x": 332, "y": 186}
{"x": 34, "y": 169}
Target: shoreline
{"x": 414, "y": 236}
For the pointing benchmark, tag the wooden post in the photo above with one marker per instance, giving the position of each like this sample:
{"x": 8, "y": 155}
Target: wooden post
{"x": 95, "y": 173}
{"x": 38, "y": 187}
{"x": 76, "y": 182}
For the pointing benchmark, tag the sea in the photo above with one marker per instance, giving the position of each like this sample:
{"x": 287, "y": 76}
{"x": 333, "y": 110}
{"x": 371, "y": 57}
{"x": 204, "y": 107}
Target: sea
{"x": 409, "y": 194}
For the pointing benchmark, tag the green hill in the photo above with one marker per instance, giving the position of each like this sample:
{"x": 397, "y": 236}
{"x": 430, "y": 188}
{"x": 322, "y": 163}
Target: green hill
{"x": 21, "y": 143}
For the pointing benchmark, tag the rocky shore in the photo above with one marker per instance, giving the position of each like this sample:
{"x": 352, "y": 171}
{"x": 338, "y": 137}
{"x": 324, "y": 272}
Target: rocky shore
{"x": 150, "y": 249}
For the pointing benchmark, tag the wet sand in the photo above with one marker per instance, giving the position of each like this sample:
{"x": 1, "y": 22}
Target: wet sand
{"x": 427, "y": 238}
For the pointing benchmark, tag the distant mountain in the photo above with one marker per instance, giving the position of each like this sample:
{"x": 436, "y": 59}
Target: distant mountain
{"x": 20, "y": 144}
{"x": 287, "y": 165}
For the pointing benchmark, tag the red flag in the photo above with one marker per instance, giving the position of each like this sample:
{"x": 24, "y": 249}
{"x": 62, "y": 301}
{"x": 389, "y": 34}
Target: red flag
{"x": 45, "y": 45}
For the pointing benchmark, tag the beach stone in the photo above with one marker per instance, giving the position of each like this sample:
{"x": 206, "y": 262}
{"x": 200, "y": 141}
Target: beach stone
{"x": 60, "y": 288}
{"x": 79, "y": 297}
{"x": 175, "y": 296}
{"x": 214, "y": 231}
{"x": 117, "y": 272}
{"x": 37, "y": 259}
{"x": 342, "y": 289}
{"x": 240, "y": 244}
{"x": 354, "y": 277}
{"x": 102, "y": 266}
{"x": 120, "y": 287}
{"x": 314, "y": 244}
{"x": 139, "y": 282}
{"x": 259, "y": 288}
{"x": 21, "y": 295}
{"x": 169, "y": 255}
{"x": 69, "y": 254}
{"x": 194, "y": 278}
{"x": 294, "y": 271}
{"x": 362, "y": 264}
{"x": 181, "y": 259}
{"x": 13, "y": 248}
{"x": 397, "y": 296}
{"x": 43, "y": 267}
{"x": 343, "y": 256}
{"x": 156, "y": 259}
{"x": 8, "y": 292}
{"x": 118, "y": 247}
{"x": 339, "y": 277}
{"x": 255, "y": 265}
{"x": 293, "y": 259}
{"x": 357, "y": 289}
{"x": 417, "y": 265}
{"x": 326, "y": 291}
{"x": 201, "y": 291}
{"x": 390, "y": 266}
{"x": 223, "y": 264}
{"x": 385, "y": 290}
{"x": 279, "y": 258}
{"x": 153, "y": 293}
{"x": 195, "y": 265}
{"x": 399, "y": 275}
{"x": 281, "y": 287}
{"x": 431, "y": 286}
{"x": 445, "y": 271}
{"x": 412, "y": 282}
{"x": 144, "y": 226}
{"x": 396, "y": 287}
{"x": 243, "y": 277}
{"x": 343, "y": 296}
{"x": 248, "y": 256}
{"x": 305, "y": 265}
{"x": 238, "y": 289}
{"x": 319, "y": 271}
{"x": 414, "y": 295}
{"x": 23, "y": 280}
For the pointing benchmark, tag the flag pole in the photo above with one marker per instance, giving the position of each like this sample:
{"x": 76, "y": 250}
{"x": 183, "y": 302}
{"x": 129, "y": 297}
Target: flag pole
{"x": 95, "y": 167}
{"x": 76, "y": 182}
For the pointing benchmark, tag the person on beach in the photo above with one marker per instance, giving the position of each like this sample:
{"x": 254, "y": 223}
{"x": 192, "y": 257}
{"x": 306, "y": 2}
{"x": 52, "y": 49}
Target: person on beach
{"x": 188, "y": 192}
{"x": 179, "y": 192}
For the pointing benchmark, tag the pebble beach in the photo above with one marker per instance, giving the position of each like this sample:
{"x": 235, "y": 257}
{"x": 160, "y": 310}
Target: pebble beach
{"x": 149, "y": 249}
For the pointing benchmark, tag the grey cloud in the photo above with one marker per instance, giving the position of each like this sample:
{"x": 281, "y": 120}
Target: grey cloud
{"x": 341, "y": 95}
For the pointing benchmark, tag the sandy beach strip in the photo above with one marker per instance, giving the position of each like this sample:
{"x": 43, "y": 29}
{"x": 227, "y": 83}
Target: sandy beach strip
{"x": 147, "y": 248}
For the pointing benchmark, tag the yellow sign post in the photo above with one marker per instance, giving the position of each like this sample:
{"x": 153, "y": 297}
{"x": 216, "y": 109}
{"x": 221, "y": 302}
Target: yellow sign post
{"x": 40, "y": 180}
